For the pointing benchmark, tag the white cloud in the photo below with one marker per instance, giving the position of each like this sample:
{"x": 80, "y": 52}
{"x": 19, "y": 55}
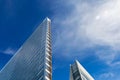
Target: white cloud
{"x": 107, "y": 56}
{"x": 9, "y": 51}
{"x": 106, "y": 76}
{"x": 90, "y": 24}
{"x": 104, "y": 29}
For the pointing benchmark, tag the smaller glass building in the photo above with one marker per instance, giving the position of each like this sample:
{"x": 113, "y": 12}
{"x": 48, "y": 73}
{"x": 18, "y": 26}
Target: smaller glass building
{"x": 77, "y": 72}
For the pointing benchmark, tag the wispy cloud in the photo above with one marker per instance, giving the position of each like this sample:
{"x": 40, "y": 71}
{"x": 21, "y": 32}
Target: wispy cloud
{"x": 8, "y": 51}
{"x": 89, "y": 24}
{"x": 106, "y": 76}
{"x": 109, "y": 57}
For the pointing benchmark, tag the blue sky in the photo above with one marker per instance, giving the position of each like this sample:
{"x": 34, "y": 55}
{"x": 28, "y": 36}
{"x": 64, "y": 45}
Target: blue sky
{"x": 87, "y": 30}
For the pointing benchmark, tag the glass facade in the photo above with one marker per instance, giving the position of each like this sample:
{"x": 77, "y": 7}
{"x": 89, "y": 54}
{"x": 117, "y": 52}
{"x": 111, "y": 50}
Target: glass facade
{"x": 77, "y": 72}
{"x": 33, "y": 61}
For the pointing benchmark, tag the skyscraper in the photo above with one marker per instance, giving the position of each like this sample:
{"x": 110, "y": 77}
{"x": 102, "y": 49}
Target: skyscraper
{"x": 33, "y": 61}
{"x": 77, "y": 72}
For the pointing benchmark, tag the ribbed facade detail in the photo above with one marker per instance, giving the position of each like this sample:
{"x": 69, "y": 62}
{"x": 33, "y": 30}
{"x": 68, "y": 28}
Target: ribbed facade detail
{"x": 48, "y": 55}
{"x": 33, "y": 61}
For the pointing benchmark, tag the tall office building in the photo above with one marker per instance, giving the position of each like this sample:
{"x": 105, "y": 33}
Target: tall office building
{"x": 77, "y": 72}
{"x": 33, "y": 61}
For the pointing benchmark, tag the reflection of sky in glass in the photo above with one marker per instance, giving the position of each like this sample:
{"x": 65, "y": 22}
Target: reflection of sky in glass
{"x": 29, "y": 61}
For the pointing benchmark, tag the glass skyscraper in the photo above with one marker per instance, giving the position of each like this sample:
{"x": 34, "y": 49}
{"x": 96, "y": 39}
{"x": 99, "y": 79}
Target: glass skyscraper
{"x": 33, "y": 61}
{"x": 77, "y": 72}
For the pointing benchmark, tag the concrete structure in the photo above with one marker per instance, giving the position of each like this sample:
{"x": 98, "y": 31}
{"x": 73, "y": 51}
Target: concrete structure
{"x": 33, "y": 61}
{"x": 77, "y": 72}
